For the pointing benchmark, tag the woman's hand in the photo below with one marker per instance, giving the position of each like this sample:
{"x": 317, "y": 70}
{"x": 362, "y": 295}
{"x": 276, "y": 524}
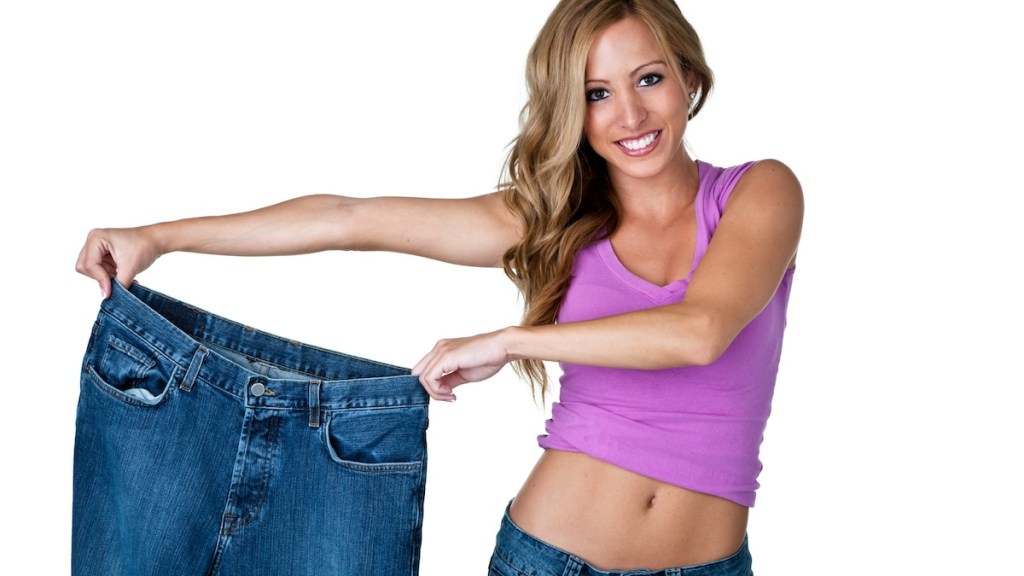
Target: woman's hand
{"x": 120, "y": 252}
{"x": 457, "y": 361}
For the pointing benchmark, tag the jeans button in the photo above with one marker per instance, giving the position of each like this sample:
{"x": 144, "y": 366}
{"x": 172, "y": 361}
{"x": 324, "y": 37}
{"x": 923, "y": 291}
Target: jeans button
{"x": 257, "y": 389}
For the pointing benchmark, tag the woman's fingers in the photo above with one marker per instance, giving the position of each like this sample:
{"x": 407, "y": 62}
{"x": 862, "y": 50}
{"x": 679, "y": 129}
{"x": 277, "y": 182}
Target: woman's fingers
{"x": 114, "y": 252}
{"x": 455, "y": 362}
{"x": 432, "y": 374}
{"x": 96, "y": 261}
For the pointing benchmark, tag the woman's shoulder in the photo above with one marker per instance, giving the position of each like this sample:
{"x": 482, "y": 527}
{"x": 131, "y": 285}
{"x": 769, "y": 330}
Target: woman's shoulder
{"x": 769, "y": 180}
{"x": 768, "y": 168}
{"x": 750, "y": 170}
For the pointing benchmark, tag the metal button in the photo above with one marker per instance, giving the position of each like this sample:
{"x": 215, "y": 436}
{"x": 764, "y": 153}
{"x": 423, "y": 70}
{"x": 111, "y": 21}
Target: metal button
{"x": 257, "y": 389}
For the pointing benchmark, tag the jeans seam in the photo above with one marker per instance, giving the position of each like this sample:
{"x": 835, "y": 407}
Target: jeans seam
{"x": 509, "y": 564}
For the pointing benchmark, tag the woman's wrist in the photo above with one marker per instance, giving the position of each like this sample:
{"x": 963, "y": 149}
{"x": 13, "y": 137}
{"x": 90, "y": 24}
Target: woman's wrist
{"x": 159, "y": 238}
{"x": 515, "y": 340}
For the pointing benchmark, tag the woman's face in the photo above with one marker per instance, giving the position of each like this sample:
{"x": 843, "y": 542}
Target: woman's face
{"x": 636, "y": 109}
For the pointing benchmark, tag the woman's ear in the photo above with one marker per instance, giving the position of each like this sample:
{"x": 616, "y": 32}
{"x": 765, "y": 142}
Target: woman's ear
{"x": 690, "y": 82}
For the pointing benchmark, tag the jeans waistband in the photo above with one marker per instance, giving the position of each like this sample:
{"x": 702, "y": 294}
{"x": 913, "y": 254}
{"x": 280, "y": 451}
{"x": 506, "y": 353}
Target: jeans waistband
{"x": 278, "y": 373}
{"x": 515, "y": 546}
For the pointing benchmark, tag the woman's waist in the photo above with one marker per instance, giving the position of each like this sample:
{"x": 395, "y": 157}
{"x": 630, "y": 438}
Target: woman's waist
{"x": 711, "y": 453}
{"x": 617, "y": 519}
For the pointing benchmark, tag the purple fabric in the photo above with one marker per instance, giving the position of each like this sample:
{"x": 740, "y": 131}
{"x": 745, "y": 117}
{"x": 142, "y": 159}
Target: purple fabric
{"x": 699, "y": 427}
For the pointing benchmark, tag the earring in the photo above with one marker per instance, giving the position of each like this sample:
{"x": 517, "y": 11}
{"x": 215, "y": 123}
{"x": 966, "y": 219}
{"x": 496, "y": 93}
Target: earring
{"x": 693, "y": 95}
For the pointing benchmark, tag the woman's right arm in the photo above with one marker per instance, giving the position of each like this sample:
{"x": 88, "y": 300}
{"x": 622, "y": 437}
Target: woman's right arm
{"x": 471, "y": 231}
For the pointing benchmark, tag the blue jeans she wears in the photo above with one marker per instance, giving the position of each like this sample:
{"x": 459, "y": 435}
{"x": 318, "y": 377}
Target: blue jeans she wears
{"x": 206, "y": 447}
{"x": 516, "y": 553}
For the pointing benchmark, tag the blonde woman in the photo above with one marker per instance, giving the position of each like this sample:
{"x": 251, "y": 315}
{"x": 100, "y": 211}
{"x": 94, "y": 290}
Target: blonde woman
{"x": 659, "y": 282}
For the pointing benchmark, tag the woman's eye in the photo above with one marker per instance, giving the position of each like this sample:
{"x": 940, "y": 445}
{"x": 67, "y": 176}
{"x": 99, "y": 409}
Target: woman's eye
{"x": 596, "y": 94}
{"x": 650, "y": 79}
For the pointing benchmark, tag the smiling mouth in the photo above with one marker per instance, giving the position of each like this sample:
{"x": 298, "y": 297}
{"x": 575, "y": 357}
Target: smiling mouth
{"x": 638, "y": 144}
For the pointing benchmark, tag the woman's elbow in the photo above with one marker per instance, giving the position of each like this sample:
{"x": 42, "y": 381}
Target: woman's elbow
{"x": 706, "y": 341}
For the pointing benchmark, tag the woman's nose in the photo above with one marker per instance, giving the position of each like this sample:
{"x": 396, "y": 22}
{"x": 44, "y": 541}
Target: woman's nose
{"x": 632, "y": 112}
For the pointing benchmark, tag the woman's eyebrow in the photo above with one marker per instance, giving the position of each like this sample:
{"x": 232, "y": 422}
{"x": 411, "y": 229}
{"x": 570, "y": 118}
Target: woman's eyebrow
{"x": 633, "y": 73}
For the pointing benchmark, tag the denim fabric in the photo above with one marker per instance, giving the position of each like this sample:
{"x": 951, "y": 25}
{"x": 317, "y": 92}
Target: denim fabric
{"x": 519, "y": 554}
{"x": 205, "y": 447}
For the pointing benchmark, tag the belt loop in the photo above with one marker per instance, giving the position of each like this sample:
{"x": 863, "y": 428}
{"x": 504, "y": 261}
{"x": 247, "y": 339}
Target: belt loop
{"x": 193, "y": 369}
{"x": 314, "y": 404}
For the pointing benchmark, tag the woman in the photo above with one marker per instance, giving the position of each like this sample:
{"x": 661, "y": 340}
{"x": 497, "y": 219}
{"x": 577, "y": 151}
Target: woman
{"x": 669, "y": 340}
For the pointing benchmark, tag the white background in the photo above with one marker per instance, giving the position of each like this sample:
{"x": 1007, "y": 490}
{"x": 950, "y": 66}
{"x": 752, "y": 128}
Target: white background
{"x": 896, "y": 435}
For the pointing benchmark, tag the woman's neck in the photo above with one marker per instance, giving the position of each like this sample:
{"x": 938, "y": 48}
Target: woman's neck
{"x": 661, "y": 197}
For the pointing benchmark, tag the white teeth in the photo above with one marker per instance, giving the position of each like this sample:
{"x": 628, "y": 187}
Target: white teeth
{"x": 640, "y": 142}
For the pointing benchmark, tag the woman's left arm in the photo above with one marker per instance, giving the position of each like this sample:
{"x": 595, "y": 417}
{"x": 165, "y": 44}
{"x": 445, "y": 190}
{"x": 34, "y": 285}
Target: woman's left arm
{"x": 755, "y": 242}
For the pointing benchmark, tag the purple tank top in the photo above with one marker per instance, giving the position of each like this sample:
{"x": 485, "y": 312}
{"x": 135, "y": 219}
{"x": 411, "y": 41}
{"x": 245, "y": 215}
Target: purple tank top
{"x": 698, "y": 427}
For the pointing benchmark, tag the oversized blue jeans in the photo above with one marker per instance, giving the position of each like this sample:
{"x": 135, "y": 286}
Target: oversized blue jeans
{"x": 206, "y": 447}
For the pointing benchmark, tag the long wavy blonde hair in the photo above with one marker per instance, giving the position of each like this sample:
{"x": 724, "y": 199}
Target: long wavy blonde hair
{"x": 555, "y": 182}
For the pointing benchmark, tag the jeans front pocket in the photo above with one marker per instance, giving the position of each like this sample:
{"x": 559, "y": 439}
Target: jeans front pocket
{"x": 128, "y": 368}
{"x": 377, "y": 440}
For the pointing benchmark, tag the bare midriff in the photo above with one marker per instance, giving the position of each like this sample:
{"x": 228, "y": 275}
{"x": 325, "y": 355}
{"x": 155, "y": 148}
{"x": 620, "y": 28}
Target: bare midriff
{"x": 616, "y": 519}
